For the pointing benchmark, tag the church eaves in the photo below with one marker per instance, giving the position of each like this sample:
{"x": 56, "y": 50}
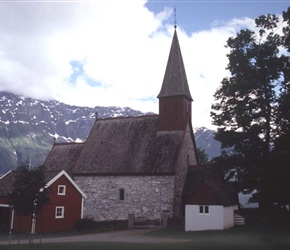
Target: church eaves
{"x": 175, "y": 81}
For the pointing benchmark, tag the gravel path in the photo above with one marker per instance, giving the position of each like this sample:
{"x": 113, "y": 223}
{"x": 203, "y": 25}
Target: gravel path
{"x": 136, "y": 236}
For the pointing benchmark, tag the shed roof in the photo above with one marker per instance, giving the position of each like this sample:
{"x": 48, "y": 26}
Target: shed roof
{"x": 213, "y": 177}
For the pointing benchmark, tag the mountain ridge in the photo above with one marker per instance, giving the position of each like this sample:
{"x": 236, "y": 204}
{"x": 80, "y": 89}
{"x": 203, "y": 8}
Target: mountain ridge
{"x": 28, "y": 127}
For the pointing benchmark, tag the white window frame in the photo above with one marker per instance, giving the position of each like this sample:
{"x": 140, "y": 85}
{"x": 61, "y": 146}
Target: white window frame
{"x": 61, "y": 210}
{"x": 64, "y": 190}
{"x": 202, "y": 209}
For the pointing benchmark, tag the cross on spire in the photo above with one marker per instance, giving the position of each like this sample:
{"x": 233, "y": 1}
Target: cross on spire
{"x": 175, "y": 23}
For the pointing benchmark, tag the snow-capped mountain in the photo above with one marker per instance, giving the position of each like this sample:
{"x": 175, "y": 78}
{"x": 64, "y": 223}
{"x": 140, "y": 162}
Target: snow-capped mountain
{"x": 204, "y": 139}
{"x": 28, "y": 128}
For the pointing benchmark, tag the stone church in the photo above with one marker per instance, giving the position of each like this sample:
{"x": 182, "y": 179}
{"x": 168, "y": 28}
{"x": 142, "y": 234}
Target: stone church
{"x": 136, "y": 165}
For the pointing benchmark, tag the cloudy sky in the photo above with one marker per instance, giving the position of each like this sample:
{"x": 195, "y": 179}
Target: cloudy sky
{"x": 114, "y": 52}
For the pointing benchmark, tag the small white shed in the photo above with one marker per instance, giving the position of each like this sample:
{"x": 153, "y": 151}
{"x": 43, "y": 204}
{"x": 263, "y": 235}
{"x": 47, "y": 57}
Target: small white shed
{"x": 217, "y": 217}
{"x": 210, "y": 202}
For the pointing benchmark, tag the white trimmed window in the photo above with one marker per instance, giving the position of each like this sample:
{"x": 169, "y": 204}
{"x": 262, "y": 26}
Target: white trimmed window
{"x": 59, "y": 212}
{"x": 204, "y": 209}
{"x": 61, "y": 189}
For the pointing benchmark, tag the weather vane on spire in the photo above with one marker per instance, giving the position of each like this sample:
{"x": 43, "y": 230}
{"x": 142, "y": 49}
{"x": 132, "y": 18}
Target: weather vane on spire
{"x": 175, "y": 23}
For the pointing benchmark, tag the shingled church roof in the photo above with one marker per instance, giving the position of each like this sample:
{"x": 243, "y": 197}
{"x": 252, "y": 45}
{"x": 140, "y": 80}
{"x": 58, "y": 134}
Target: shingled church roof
{"x": 175, "y": 80}
{"x": 63, "y": 156}
{"x": 129, "y": 145}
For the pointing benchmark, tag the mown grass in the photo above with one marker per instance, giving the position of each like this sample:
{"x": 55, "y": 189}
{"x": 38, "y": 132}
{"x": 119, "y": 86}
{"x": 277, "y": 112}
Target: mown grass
{"x": 245, "y": 237}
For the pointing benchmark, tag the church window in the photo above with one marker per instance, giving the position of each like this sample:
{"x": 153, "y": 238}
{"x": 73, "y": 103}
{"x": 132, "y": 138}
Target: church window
{"x": 59, "y": 212}
{"x": 61, "y": 189}
{"x": 121, "y": 194}
{"x": 204, "y": 209}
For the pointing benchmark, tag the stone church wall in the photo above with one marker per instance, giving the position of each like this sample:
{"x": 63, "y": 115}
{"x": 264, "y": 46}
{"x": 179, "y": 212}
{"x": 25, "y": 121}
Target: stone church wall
{"x": 144, "y": 196}
{"x": 187, "y": 157}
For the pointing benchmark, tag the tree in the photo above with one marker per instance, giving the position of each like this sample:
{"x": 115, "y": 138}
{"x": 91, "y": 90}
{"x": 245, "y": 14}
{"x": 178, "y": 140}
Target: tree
{"x": 29, "y": 193}
{"x": 202, "y": 156}
{"x": 283, "y": 113}
{"x": 245, "y": 104}
{"x": 281, "y": 149}
{"x": 286, "y": 29}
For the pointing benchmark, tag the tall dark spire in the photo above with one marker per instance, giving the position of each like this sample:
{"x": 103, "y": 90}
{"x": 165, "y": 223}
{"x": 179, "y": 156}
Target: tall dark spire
{"x": 174, "y": 97}
{"x": 175, "y": 80}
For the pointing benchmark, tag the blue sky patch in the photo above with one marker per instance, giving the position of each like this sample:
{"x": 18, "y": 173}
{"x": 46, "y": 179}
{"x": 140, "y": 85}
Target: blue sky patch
{"x": 148, "y": 99}
{"x": 78, "y": 71}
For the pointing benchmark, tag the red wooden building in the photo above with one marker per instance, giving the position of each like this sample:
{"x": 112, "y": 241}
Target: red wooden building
{"x": 65, "y": 209}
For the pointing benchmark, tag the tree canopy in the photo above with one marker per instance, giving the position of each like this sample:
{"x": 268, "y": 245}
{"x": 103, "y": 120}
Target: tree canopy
{"x": 251, "y": 108}
{"x": 29, "y": 194}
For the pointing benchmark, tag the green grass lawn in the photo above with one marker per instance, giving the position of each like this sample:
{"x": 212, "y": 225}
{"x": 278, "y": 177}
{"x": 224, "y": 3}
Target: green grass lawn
{"x": 245, "y": 237}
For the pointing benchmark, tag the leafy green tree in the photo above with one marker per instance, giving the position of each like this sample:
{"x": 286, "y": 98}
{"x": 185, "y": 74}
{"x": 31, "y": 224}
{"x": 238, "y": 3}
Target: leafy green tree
{"x": 245, "y": 104}
{"x": 29, "y": 194}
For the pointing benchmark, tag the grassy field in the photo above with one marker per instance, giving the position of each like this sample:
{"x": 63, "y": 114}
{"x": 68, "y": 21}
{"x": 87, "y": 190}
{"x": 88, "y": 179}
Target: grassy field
{"x": 246, "y": 237}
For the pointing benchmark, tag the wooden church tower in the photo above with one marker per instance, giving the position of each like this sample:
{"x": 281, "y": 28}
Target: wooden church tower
{"x": 174, "y": 97}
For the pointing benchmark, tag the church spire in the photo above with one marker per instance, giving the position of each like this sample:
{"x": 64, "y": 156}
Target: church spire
{"x": 174, "y": 97}
{"x": 175, "y": 80}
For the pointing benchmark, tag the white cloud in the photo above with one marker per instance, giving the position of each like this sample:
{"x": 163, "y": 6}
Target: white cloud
{"x": 205, "y": 60}
{"x": 122, "y": 45}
